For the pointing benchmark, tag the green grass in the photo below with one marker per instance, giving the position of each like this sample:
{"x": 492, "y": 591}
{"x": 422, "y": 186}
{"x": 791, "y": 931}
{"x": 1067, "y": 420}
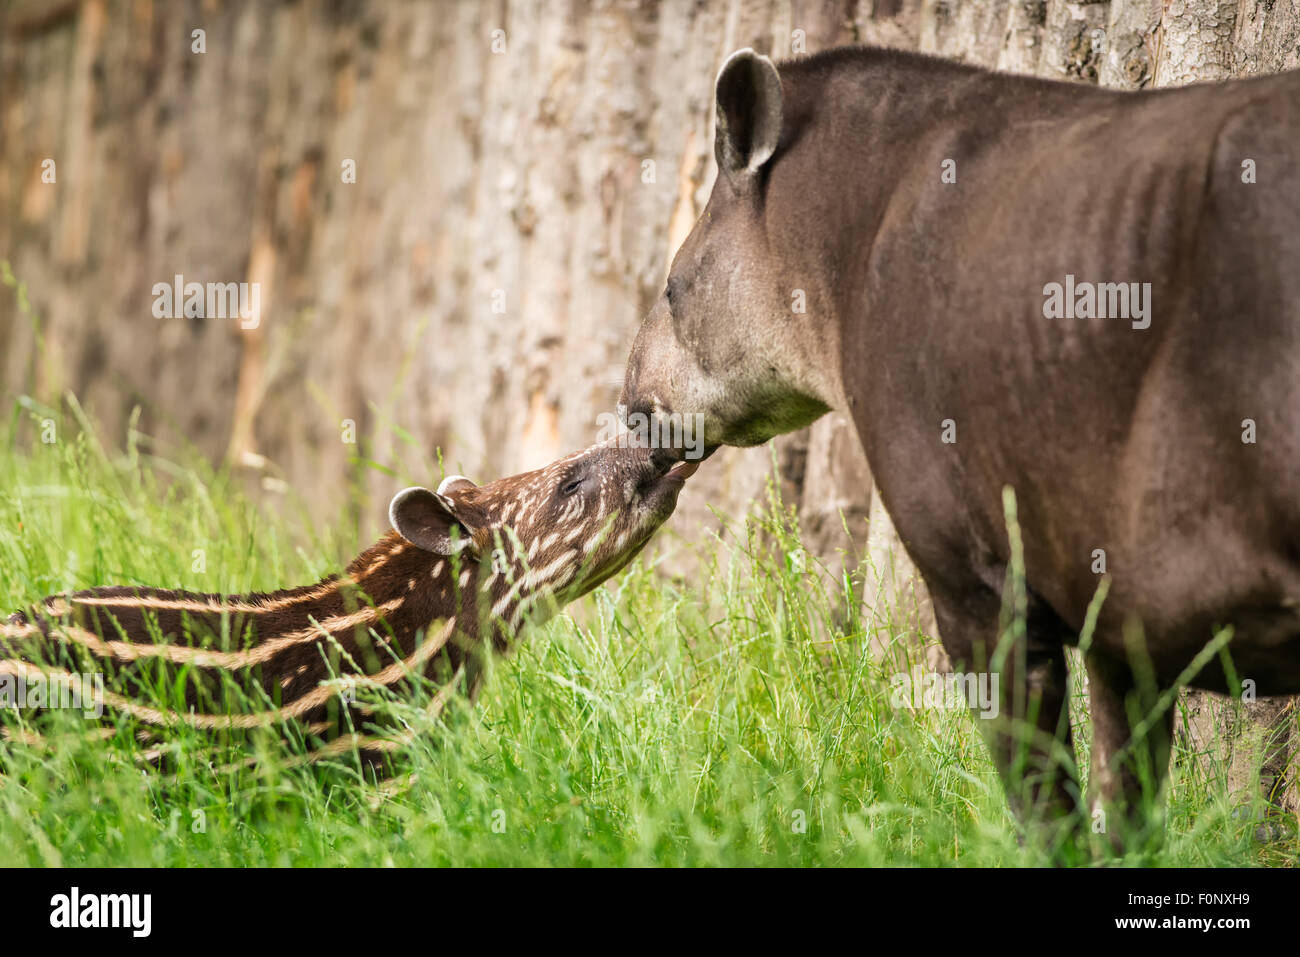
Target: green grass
{"x": 733, "y": 718}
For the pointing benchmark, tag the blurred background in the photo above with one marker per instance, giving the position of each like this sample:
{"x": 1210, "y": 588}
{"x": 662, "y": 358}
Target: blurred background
{"x": 456, "y": 214}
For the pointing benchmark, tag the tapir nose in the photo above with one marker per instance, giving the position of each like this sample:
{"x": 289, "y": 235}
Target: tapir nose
{"x": 632, "y": 401}
{"x": 629, "y": 392}
{"x": 664, "y": 458}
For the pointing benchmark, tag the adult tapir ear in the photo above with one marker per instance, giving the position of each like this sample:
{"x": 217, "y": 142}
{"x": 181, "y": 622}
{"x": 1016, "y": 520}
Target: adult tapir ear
{"x": 749, "y": 113}
{"x": 428, "y": 520}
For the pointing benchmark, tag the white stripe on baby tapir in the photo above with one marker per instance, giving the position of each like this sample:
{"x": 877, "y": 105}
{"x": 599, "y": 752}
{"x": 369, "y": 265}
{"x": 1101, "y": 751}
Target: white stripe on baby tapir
{"x": 382, "y": 559}
{"x": 506, "y": 600}
{"x": 571, "y": 511}
{"x": 552, "y": 591}
{"x": 307, "y": 702}
{"x": 534, "y": 578}
{"x": 590, "y": 544}
{"x": 218, "y": 606}
{"x": 203, "y": 658}
{"x": 540, "y": 576}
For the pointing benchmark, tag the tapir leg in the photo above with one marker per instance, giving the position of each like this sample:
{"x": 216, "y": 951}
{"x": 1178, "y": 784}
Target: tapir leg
{"x": 1030, "y": 738}
{"x": 1131, "y": 740}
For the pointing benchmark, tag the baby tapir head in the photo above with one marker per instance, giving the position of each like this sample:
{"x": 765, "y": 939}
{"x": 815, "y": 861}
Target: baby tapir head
{"x": 553, "y": 534}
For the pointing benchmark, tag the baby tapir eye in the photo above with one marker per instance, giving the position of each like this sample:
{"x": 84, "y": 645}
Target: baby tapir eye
{"x": 571, "y": 486}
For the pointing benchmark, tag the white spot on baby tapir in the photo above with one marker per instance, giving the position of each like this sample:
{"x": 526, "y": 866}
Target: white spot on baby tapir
{"x": 528, "y": 602}
{"x": 437, "y": 570}
{"x": 410, "y": 585}
{"x": 464, "y": 578}
{"x": 534, "y": 576}
{"x": 504, "y": 602}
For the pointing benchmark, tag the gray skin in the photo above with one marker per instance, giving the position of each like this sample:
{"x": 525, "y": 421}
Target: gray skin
{"x": 925, "y": 303}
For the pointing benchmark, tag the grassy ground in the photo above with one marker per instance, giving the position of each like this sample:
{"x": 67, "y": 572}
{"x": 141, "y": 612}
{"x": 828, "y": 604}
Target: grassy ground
{"x": 737, "y": 718}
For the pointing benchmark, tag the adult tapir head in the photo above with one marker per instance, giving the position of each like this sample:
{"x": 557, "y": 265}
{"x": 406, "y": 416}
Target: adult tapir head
{"x": 734, "y": 345}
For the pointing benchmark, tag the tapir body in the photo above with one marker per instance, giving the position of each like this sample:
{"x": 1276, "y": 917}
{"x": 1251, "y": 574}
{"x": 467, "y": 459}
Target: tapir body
{"x": 962, "y": 244}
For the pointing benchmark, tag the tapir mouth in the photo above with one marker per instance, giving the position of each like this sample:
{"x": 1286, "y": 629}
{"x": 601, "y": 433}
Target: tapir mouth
{"x": 682, "y": 471}
{"x": 666, "y": 459}
{"x": 670, "y": 475}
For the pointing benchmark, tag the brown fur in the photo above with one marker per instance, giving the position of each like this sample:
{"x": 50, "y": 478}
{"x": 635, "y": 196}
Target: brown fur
{"x": 1120, "y": 435}
{"x": 398, "y": 613}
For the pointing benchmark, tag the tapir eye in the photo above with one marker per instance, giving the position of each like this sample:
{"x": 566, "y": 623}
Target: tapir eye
{"x": 571, "y": 486}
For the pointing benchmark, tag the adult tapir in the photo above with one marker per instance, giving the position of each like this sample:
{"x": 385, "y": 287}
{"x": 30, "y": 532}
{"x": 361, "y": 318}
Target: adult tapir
{"x": 1090, "y": 297}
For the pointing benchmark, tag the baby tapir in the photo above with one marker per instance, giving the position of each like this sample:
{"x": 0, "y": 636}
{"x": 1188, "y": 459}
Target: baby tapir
{"x": 460, "y": 572}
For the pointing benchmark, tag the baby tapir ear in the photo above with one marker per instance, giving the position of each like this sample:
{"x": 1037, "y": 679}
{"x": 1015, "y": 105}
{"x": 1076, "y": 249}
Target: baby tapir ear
{"x": 428, "y": 520}
{"x": 749, "y": 113}
{"x": 453, "y": 483}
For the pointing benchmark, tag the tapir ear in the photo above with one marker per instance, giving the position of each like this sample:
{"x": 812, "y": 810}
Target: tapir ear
{"x": 749, "y": 113}
{"x": 454, "y": 483}
{"x": 428, "y": 520}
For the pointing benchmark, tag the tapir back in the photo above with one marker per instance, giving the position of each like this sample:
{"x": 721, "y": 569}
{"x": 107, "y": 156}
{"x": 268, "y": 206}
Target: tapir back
{"x": 1104, "y": 302}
